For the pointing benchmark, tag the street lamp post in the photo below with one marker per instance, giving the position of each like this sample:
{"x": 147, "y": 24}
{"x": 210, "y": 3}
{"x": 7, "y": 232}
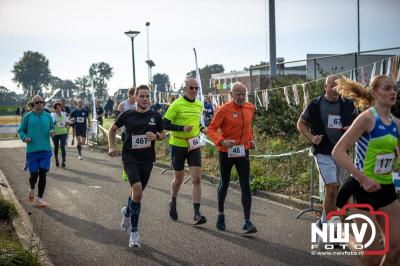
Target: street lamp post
{"x": 148, "y": 53}
{"x": 150, "y": 63}
{"x": 132, "y": 34}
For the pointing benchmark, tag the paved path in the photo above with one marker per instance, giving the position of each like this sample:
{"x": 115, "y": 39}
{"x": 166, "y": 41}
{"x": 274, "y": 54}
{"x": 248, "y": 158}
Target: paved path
{"x": 81, "y": 224}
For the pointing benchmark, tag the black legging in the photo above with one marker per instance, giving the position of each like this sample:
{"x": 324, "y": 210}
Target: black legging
{"x": 60, "y": 141}
{"x": 41, "y": 173}
{"x": 243, "y": 168}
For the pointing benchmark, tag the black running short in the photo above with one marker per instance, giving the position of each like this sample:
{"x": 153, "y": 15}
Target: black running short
{"x": 138, "y": 172}
{"x": 180, "y": 154}
{"x": 377, "y": 199}
{"x": 80, "y": 132}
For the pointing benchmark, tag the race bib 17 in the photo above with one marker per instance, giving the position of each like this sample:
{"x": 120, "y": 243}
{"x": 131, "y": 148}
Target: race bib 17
{"x": 383, "y": 164}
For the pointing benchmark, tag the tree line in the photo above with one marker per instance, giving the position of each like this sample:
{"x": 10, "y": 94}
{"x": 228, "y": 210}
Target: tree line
{"x": 33, "y": 74}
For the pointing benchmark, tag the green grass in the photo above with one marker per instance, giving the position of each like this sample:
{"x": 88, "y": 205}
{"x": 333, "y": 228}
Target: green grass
{"x": 7, "y": 210}
{"x": 11, "y": 251}
{"x": 13, "y": 254}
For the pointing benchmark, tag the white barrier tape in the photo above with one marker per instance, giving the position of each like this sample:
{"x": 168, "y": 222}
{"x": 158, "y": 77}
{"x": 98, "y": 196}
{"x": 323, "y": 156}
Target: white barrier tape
{"x": 264, "y": 156}
{"x": 271, "y": 156}
{"x": 209, "y": 142}
{"x": 106, "y": 131}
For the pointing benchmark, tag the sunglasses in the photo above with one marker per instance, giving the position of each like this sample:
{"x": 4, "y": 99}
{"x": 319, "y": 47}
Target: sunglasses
{"x": 39, "y": 102}
{"x": 193, "y": 88}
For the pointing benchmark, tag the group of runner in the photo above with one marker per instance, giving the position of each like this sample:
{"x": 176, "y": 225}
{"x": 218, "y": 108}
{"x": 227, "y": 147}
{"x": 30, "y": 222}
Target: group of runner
{"x": 230, "y": 130}
{"x": 329, "y": 122}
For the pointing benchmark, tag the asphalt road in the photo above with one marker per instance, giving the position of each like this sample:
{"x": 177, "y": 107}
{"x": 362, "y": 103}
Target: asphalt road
{"x": 81, "y": 224}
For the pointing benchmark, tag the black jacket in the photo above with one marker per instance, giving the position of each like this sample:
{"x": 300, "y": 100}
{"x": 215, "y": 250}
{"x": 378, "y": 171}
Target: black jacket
{"x": 348, "y": 113}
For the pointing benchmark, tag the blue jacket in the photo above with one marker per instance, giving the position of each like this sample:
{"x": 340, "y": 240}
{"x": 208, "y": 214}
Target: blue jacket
{"x": 37, "y": 127}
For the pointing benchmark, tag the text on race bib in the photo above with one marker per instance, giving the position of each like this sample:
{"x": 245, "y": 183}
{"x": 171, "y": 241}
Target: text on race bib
{"x": 334, "y": 122}
{"x": 383, "y": 164}
{"x": 60, "y": 124}
{"x": 80, "y": 119}
{"x": 140, "y": 142}
{"x": 236, "y": 151}
{"x": 194, "y": 143}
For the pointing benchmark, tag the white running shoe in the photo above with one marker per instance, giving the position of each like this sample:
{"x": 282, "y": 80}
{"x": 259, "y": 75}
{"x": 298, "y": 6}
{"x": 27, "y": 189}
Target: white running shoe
{"x": 41, "y": 203}
{"x": 134, "y": 240}
{"x": 126, "y": 220}
{"x": 79, "y": 157}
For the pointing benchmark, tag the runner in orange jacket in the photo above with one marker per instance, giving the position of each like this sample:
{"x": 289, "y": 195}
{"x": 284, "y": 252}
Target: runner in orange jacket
{"x": 233, "y": 141}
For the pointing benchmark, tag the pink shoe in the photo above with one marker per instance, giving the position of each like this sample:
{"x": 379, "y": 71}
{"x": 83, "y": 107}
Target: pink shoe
{"x": 31, "y": 196}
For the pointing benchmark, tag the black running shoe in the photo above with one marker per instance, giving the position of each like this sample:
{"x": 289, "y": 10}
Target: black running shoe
{"x": 172, "y": 212}
{"x": 199, "y": 219}
{"x": 221, "y": 222}
{"x": 248, "y": 227}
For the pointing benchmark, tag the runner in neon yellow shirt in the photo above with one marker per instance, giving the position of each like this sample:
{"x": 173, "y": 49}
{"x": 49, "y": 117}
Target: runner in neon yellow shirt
{"x": 183, "y": 120}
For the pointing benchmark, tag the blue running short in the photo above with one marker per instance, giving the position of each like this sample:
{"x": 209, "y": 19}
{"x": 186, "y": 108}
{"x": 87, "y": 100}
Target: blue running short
{"x": 39, "y": 159}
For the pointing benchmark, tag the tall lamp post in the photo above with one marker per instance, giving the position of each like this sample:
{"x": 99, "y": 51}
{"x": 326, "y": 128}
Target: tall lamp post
{"x": 149, "y": 62}
{"x": 132, "y": 34}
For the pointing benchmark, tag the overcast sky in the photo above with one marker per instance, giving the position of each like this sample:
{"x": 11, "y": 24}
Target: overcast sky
{"x": 73, "y": 34}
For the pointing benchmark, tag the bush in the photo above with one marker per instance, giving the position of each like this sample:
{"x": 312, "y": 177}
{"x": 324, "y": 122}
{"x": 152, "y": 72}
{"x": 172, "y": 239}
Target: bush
{"x": 12, "y": 254}
{"x": 280, "y": 119}
{"x": 267, "y": 183}
{"x": 7, "y": 210}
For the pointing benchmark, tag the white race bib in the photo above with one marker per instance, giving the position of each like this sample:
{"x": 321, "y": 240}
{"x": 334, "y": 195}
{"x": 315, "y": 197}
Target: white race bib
{"x": 80, "y": 119}
{"x": 236, "y": 151}
{"x": 194, "y": 143}
{"x": 383, "y": 164}
{"x": 140, "y": 142}
{"x": 60, "y": 124}
{"x": 334, "y": 122}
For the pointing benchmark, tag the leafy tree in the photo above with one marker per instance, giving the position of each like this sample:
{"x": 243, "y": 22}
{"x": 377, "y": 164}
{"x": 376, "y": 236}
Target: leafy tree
{"x": 7, "y": 97}
{"x": 262, "y": 63}
{"x": 205, "y": 75}
{"x": 159, "y": 80}
{"x": 99, "y": 73}
{"x": 82, "y": 84}
{"x": 32, "y": 72}
{"x": 55, "y": 83}
{"x": 280, "y": 119}
{"x": 68, "y": 87}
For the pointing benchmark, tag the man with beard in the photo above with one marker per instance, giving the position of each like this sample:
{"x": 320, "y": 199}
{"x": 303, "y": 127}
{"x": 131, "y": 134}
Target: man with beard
{"x": 143, "y": 128}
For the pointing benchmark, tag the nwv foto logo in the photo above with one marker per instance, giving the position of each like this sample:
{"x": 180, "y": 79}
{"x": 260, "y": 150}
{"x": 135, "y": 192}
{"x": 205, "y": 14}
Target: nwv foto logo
{"x": 337, "y": 232}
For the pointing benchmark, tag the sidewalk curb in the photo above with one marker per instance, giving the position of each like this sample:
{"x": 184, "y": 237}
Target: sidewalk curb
{"x": 23, "y": 225}
{"x": 283, "y": 199}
